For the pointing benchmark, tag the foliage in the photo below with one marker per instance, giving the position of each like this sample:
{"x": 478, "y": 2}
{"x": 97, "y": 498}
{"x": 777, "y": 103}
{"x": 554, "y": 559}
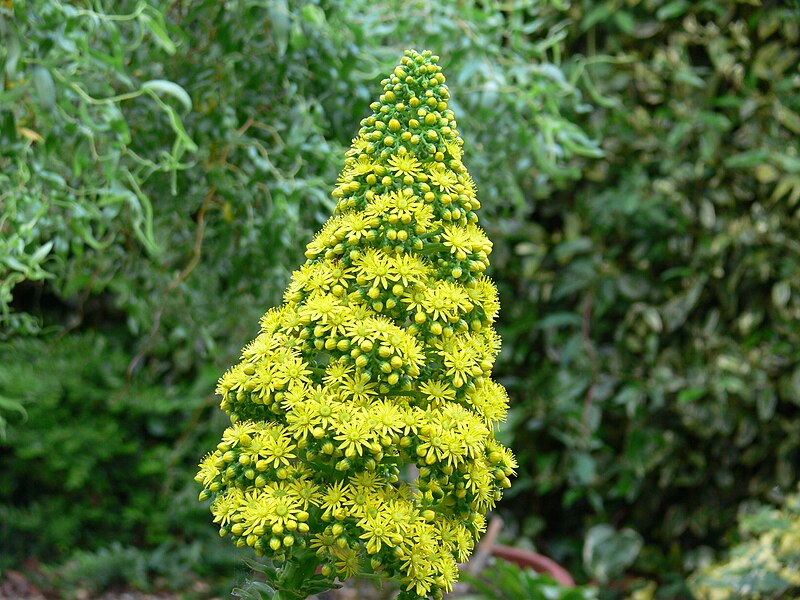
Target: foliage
{"x": 654, "y": 363}
{"x": 172, "y": 195}
{"x": 278, "y": 586}
{"x": 96, "y": 448}
{"x": 765, "y": 564}
{"x": 608, "y": 553}
{"x": 173, "y": 565}
{"x": 186, "y": 170}
{"x": 511, "y": 582}
{"x": 379, "y": 358}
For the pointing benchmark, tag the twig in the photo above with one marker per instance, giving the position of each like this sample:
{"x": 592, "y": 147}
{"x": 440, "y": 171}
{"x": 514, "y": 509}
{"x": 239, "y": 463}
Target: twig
{"x": 180, "y": 277}
{"x": 590, "y": 353}
{"x": 478, "y": 560}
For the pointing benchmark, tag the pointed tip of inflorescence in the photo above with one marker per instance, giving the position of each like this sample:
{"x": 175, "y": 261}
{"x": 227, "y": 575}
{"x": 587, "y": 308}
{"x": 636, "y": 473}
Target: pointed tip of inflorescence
{"x": 412, "y": 116}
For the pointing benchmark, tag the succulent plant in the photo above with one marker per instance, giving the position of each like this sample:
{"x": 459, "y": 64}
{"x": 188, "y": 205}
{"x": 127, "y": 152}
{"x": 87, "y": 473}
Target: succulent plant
{"x": 378, "y": 360}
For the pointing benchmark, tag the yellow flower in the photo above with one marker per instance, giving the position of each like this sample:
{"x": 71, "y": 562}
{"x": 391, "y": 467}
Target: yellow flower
{"x": 340, "y": 275}
{"x": 325, "y": 405}
{"x": 277, "y": 448}
{"x": 358, "y": 388}
{"x": 208, "y": 470}
{"x": 321, "y": 308}
{"x": 239, "y": 433}
{"x": 361, "y": 166}
{"x": 442, "y": 178}
{"x": 438, "y": 392}
{"x": 359, "y": 145}
{"x": 460, "y": 365}
{"x": 417, "y": 563}
{"x": 377, "y": 207}
{"x": 225, "y": 506}
{"x": 490, "y": 400}
{"x": 378, "y": 530}
{"x": 266, "y": 380}
{"x": 375, "y": 267}
{"x": 405, "y": 164}
{"x": 354, "y": 226}
{"x": 402, "y": 206}
{"x": 353, "y": 436}
{"x": 334, "y": 497}
{"x": 410, "y": 268}
{"x": 311, "y": 277}
{"x": 335, "y": 372}
{"x": 360, "y": 500}
{"x": 444, "y": 300}
{"x": 292, "y": 369}
{"x": 324, "y": 239}
{"x": 301, "y": 419}
{"x": 385, "y": 418}
{"x": 454, "y": 149}
{"x": 347, "y": 561}
{"x": 412, "y": 353}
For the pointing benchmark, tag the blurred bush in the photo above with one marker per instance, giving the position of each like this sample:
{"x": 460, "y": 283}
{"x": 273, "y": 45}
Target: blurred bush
{"x": 651, "y": 306}
{"x": 765, "y": 564}
{"x": 102, "y": 458}
{"x": 163, "y": 163}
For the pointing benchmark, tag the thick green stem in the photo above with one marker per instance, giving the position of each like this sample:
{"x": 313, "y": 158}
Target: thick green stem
{"x": 295, "y": 579}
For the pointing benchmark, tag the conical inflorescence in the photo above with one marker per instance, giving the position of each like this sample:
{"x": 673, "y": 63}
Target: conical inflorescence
{"x": 379, "y": 359}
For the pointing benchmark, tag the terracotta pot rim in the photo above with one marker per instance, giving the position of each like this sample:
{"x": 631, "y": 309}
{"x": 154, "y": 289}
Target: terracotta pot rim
{"x": 538, "y": 562}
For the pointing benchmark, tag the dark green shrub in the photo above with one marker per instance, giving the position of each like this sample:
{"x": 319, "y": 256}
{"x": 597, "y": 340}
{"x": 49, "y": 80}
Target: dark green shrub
{"x": 101, "y": 458}
{"x": 654, "y": 353}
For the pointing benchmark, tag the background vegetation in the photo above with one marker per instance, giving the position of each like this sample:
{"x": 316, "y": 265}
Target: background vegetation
{"x": 162, "y": 165}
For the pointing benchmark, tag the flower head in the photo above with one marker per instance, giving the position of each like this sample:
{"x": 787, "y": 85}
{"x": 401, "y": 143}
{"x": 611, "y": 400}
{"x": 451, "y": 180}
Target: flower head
{"x": 380, "y": 357}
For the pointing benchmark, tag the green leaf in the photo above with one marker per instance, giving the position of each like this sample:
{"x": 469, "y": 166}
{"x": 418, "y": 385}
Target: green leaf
{"x": 15, "y": 264}
{"x": 559, "y": 319}
{"x": 42, "y": 252}
{"x": 688, "y": 395}
{"x": 153, "y": 21}
{"x": 625, "y": 21}
{"x": 598, "y": 13}
{"x": 751, "y": 158}
{"x": 584, "y": 468}
{"x": 170, "y": 88}
{"x": 672, "y": 10}
{"x": 688, "y": 77}
{"x": 45, "y": 89}
{"x": 781, "y": 293}
{"x": 280, "y": 25}
{"x": 8, "y": 126}
{"x": 788, "y": 118}
{"x": 313, "y": 15}
{"x": 175, "y": 122}
{"x": 607, "y": 553}
{"x": 13, "y": 51}
{"x": 766, "y": 402}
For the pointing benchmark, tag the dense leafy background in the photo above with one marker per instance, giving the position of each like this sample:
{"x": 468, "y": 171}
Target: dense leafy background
{"x": 162, "y": 165}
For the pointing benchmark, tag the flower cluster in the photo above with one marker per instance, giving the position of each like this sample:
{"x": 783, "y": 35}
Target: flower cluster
{"x": 379, "y": 359}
